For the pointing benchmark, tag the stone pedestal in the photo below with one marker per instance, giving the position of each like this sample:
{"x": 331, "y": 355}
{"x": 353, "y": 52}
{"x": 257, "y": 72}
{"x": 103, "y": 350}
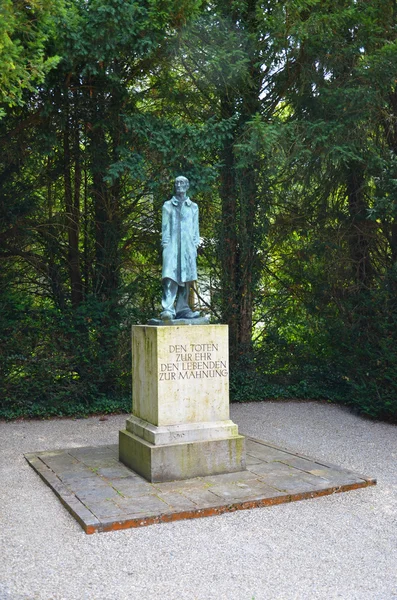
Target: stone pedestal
{"x": 180, "y": 426}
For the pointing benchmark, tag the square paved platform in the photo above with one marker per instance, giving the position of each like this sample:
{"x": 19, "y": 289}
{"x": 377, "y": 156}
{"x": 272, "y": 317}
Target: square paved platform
{"x": 104, "y": 495}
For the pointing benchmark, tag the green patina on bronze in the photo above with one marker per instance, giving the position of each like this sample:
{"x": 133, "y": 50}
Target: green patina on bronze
{"x": 180, "y": 238}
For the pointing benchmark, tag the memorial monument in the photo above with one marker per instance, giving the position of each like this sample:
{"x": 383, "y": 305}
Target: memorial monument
{"x": 180, "y": 426}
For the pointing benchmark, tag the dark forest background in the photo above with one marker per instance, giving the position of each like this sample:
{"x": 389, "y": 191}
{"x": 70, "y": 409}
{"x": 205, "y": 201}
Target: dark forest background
{"x": 282, "y": 114}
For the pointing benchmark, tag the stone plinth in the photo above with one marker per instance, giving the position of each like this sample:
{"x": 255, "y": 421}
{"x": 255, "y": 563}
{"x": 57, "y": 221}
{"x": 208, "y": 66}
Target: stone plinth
{"x": 104, "y": 495}
{"x": 180, "y": 426}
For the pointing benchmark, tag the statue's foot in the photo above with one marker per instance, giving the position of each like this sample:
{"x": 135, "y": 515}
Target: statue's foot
{"x": 188, "y": 314}
{"x": 166, "y": 315}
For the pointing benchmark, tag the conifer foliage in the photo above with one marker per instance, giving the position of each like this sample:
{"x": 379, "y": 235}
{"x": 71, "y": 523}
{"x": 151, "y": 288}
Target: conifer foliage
{"x": 284, "y": 117}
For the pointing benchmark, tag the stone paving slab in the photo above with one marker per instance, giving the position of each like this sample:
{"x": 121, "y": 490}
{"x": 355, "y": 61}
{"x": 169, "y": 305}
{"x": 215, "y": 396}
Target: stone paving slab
{"x": 104, "y": 495}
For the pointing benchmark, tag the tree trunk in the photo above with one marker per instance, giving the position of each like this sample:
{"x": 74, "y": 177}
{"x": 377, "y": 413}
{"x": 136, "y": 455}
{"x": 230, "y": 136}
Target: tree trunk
{"x": 53, "y": 268}
{"x": 360, "y": 228}
{"x": 106, "y": 210}
{"x": 238, "y": 193}
{"x": 228, "y": 237}
{"x": 390, "y": 127}
{"x": 248, "y": 202}
{"x": 72, "y": 221}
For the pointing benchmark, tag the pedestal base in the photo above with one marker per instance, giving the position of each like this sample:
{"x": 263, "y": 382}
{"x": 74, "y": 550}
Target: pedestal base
{"x": 172, "y": 462}
{"x": 183, "y": 433}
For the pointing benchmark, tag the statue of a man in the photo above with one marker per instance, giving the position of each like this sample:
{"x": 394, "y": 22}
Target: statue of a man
{"x": 180, "y": 238}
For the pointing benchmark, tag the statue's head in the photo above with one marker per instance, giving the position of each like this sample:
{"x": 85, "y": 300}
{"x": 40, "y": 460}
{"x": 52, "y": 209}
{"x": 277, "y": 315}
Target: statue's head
{"x": 181, "y": 184}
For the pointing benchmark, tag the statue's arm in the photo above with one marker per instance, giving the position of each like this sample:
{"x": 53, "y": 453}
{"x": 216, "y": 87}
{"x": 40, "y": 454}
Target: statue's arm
{"x": 165, "y": 226}
{"x": 196, "y": 228}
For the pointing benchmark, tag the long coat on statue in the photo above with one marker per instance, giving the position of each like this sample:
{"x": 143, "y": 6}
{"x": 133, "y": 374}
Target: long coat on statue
{"x": 180, "y": 238}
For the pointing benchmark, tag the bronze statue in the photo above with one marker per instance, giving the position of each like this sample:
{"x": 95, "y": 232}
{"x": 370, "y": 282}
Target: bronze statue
{"x": 180, "y": 238}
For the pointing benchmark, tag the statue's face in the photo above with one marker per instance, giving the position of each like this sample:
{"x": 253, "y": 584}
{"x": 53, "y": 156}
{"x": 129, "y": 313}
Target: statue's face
{"x": 181, "y": 185}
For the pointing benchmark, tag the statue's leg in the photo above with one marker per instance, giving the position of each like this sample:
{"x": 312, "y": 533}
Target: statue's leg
{"x": 170, "y": 291}
{"x": 182, "y": 304}
{"x": 183, "y": 310}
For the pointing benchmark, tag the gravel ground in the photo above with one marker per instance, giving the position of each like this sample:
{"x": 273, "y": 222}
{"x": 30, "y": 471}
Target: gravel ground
{"x": 341, "y": 546}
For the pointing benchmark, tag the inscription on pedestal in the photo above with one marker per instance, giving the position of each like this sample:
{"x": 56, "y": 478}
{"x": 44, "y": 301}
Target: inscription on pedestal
{"x": 193, "y": 361}
{"x": 180, "y": 374}
{"x": 193, "y": 374}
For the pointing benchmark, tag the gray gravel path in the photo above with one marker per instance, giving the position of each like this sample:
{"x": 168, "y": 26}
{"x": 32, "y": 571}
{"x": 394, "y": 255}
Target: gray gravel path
{"x": 341, "y": 546}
